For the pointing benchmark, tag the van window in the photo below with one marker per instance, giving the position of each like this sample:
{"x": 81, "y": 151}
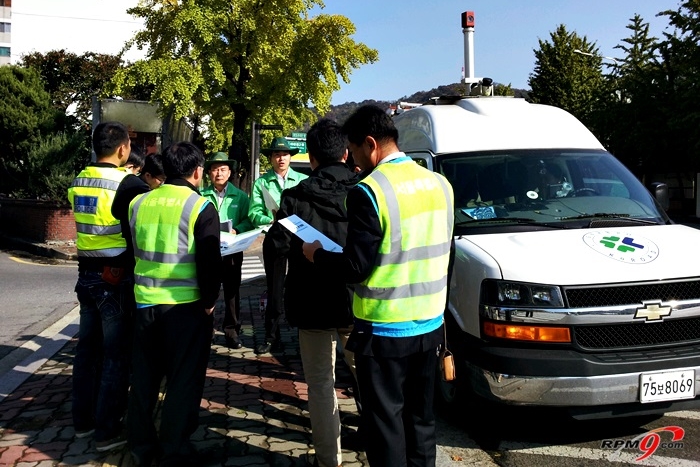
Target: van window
{"x": 544, "y": 187}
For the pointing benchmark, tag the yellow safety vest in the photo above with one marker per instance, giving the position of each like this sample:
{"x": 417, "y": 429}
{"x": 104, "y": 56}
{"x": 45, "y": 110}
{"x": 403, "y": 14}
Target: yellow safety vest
{"x": 416, "y": 214}
{"x": 162, "y": 226}
{"x": 91, "y": 195}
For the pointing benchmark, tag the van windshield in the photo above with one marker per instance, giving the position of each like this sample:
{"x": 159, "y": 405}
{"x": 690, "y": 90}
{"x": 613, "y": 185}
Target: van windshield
{"x": 547, "y": 188}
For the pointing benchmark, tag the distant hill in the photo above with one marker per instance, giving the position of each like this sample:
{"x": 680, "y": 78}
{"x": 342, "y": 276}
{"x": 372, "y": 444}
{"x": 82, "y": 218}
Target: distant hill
{"x": 341, "y": 112}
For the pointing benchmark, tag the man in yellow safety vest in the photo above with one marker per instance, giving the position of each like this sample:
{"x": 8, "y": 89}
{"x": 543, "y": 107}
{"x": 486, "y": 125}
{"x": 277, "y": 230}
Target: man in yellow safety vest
{"x": 105, "y": 293}
{"x": 177, "y": 279}
{"x": 397, "y": 253}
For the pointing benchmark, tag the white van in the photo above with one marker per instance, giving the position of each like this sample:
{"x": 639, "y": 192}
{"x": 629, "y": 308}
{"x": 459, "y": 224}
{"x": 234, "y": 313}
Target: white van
{"x": 571, "y": 286}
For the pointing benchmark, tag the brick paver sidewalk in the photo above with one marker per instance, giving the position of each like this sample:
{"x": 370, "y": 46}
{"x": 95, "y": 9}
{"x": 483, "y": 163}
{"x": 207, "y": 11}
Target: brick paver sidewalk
{"x": 253, "y": 412}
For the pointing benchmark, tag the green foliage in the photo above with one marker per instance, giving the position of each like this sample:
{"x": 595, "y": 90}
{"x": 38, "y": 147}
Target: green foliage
{"x": 503, "y": 90}
{"x": 55, "y": 161}
{"x": 239, "y": 61}
{"x": 72, "y": 79}
{"x": 36, "y": 157}
{"x": 565, "y": 78}
{"x": 677, "y": 84}
{"x": 629, "y": 120}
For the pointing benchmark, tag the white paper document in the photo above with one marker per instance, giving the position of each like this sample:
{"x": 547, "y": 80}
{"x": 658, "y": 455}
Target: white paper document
{"x": 304, "y": 231}
{"x": 231, "y": 243}
{"x": 270, "y": 202}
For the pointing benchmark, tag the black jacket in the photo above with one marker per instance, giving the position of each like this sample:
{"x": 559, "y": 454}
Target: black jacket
{"x": 312, "y": 299}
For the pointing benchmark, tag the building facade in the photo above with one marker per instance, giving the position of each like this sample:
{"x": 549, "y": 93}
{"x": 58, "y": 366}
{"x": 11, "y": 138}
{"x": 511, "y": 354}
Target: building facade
{"x": 5, "y": 31}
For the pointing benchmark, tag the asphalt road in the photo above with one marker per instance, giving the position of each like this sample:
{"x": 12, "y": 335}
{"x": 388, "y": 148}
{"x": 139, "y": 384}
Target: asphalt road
{"x": 35, "y": 293}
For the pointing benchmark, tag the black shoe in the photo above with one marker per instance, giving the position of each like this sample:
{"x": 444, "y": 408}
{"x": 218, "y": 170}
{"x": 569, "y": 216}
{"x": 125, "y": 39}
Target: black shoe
{"x": 269, "y": 346}
{"x": 264, "y": 348}
{"x": 232, "y": 343}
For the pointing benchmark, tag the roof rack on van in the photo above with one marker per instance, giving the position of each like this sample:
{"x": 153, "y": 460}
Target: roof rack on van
{"x": 444, "y": 100}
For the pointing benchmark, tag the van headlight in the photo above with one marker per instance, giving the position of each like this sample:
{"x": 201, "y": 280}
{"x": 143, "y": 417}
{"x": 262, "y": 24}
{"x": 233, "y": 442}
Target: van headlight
{"x": 501, "y": 301}
{"x": 517, "y": 294}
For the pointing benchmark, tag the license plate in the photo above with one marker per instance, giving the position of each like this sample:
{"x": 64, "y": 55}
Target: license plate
{"x": 667, "y": 386}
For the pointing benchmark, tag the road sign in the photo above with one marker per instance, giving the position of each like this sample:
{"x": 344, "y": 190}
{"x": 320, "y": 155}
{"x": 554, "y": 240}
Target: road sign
{"x": 299, "y": 134}
{"x": 301, "y": 145}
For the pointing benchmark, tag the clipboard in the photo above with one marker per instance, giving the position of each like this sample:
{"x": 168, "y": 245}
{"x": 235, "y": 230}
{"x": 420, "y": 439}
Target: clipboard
{"x": 231, "y": 243}
{"x": 304, "y": 231}
{"x": 270, "y": 202}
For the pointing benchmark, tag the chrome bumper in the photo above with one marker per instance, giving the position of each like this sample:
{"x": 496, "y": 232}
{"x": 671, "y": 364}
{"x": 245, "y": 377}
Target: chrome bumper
{"x": 560, "y": 391}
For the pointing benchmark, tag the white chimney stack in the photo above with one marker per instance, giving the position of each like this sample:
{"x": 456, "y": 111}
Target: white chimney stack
{"x": 468, "y": 30}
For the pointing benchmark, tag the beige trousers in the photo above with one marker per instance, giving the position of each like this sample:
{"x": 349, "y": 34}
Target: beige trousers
{"x": 318, "y": 351}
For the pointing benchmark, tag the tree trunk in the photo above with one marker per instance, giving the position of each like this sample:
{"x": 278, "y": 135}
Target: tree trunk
{"x": 239, "y": 150}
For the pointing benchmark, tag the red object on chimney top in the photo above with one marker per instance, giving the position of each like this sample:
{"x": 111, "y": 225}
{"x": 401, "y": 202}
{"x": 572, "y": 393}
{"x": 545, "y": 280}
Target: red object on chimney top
{"x": 468, "y": 19}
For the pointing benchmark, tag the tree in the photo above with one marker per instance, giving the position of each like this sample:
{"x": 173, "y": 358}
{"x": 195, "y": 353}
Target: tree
{"x": 564, "y": 78}
{"x": 72, "y": 79}
{"x": 238, "y": 61}
{"x": 678, "y": 83}
{"x": 38, "y": 159}
{"x": 630, "y": 121}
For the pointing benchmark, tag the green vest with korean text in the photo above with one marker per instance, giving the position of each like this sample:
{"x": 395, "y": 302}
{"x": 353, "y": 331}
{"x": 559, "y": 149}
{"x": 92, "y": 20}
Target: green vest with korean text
{"x": 409, "y": 279}
{"x": 162, "y": 226}
{"x": 91, "y": 195}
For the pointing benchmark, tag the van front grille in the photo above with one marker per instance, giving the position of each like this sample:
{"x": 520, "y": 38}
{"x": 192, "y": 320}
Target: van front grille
{"x": 637, "y": 335}
{"x": 587, "y": 297}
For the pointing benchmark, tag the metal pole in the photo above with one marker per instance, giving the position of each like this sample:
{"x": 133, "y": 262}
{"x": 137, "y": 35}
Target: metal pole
{"x": 253, "y": 151}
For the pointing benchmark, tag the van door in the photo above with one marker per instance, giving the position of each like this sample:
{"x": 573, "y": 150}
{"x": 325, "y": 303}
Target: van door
{"x": 424, "y": 159}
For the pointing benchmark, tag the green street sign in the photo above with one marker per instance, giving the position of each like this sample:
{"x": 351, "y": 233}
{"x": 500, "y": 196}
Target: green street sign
{"x": 301, "y": 145}
{"x": 297, "y": 134}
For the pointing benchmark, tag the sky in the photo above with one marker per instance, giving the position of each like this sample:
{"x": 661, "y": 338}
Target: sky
{"x": 420, "y": 43}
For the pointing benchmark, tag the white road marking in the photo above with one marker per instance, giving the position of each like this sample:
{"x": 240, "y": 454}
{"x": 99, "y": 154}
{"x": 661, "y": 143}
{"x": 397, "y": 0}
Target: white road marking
{"x": 252, "y": 268}
{"x": 54, "y": 338}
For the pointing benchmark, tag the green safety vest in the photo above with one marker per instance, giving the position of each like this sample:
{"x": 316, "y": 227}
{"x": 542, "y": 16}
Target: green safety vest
{"x": 162, "y": 226}
{"x": 91, "y": 195}
{"x": 416, "y": 215}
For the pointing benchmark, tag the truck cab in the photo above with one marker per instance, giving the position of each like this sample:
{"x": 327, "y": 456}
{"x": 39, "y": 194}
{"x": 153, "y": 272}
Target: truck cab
{"x": 571, "y": 287}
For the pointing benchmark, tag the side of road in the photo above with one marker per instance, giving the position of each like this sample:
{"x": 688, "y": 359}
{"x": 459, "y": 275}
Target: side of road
{"x": 253, "y": 412}
{"x": 56, "y": 250}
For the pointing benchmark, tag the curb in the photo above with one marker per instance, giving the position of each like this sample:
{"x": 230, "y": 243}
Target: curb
{"x": 36, "y": 249}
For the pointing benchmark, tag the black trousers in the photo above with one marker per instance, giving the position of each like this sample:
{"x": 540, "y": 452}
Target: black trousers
{"x": 396, "y": 378}
{"x": 275, "y": 273}
{"x": 231, "y": 280}
{"x": 171, "y": 341}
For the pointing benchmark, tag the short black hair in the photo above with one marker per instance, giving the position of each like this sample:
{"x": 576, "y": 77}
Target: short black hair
{"x": 107, "y": 137}
{"x": 370, "y": 120}
{"x": 326, "y": 142}
{"x": 153, "y": 165}
{"x": 136, "y": 157}
{"x": 181, "y": 159}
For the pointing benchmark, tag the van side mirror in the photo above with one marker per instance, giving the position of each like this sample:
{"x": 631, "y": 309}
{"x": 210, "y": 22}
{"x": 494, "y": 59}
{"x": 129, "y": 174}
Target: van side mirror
{"x": 660, "y": 191}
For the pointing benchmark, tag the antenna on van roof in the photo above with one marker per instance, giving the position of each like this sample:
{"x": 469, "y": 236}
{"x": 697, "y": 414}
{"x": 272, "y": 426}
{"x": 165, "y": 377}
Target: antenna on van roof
{"x": 477, "y": 86}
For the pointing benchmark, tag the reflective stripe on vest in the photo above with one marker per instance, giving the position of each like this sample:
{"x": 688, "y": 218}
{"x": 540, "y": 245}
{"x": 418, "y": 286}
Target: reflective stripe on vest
{"x": 162, "y": 225}
{"x": 91, "y": 196}
{"x": 409, "y": 281}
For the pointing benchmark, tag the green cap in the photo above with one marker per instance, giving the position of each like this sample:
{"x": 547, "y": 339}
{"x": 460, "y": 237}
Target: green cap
{"x": 280, "y": 144}
{"x": 220, "y": 158}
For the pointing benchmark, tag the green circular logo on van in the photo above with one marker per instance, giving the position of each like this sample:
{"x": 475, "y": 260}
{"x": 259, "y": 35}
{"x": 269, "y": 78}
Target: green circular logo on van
{"x": 622, "y": 246}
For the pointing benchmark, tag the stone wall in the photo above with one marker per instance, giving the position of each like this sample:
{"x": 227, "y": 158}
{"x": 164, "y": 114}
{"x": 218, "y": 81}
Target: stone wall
{"x": 36, "y": 221}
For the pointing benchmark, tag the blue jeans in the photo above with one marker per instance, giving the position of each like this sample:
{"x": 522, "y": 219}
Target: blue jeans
{"x": 101, "y": 365}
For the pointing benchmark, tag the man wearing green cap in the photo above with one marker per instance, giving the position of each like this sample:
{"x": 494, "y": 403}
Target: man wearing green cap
{"x": 232, "y": 205}
{"x": 270, "y": 185}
